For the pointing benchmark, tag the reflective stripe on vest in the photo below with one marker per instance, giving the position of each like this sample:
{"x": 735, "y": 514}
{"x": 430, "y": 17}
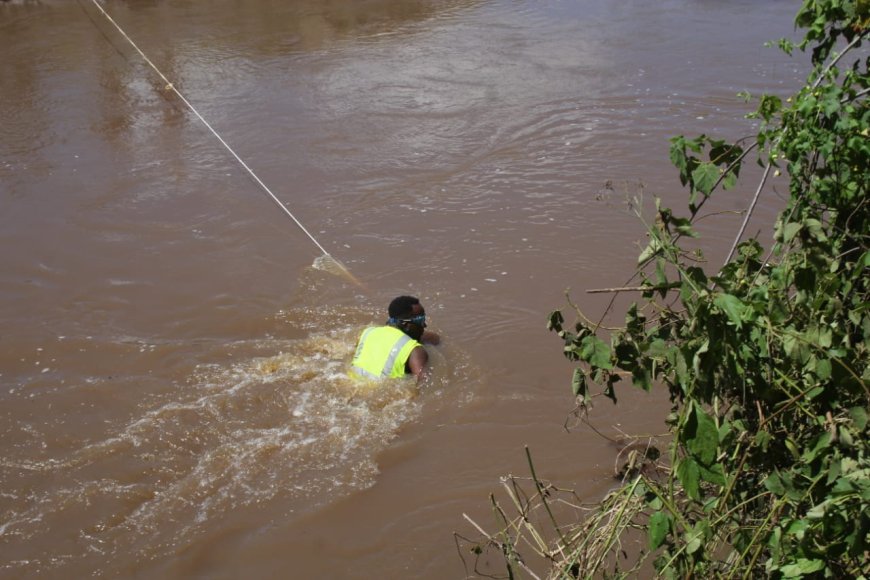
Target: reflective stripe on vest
{"x": 382, "y": 352}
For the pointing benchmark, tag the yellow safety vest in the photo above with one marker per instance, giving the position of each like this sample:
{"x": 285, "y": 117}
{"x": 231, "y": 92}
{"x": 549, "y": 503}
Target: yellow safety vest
{"x": 382, "y": 353}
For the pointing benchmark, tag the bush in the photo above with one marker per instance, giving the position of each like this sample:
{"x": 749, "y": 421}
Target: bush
{"x": 765, "y": 361}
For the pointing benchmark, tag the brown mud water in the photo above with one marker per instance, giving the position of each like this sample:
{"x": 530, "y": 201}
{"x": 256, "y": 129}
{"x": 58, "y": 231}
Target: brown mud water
{"x": 174, "y": 401}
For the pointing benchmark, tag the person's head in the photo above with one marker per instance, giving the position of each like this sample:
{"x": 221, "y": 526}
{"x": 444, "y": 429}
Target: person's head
{"x": 407, "y": 314}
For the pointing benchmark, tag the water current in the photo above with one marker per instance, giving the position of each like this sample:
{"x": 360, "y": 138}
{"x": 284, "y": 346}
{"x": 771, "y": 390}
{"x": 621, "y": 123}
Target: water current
{"x": 174, "y": 401}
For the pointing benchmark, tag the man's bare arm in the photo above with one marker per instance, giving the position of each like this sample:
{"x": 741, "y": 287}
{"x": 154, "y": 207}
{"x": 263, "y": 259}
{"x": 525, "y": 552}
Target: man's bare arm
{"x": 430, "y": 337}
{"x": 417, "y": 362}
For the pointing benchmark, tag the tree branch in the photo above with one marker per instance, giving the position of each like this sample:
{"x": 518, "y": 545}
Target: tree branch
{"x": 748, "y": 213}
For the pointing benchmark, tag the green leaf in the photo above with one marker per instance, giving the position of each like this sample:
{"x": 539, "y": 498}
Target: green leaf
{"x": 689, "y": 475}
{"x": 730, "y": 181}
{"x": 596, "y": 352}
{"x": 768, "y": 106}
{"x": 790, "y": 231}
{"x": 694, "y": 538}
{"x": 823, "y": 369}
{"x": 826, "y": 336}
{"x": 823, "y": 442}
{"x": 797, "y": 528}
{"x": 641, "y": 378}
{"x": 696, "y": 358}
{"x": 792, "y": 448}
{"x": 733, "y": 308}
{"x": 713, "y": 474}
{"x": 681, "y": 369}
{"x": 843, "y": 486}
{"x": 834, "y": 471}
{"x": 831, "y": 104}
{"x": 815, "y": 229}
{"x": 701, "y": 436}
{"x": 651, "y": 250}
{"x": 774, "y": 485}
{"x": 658, "y": 348}
{"x": 678, "y": 156}
{"x": 859, "y": 417}
{"x": 661, "y": 277}
{"x": 817, "y": 512}
{"x": 705, "y": 177}
{"x": 801, "y": 567}
{"x": 786, "y": 45}
{"x": 762, "y": 439}
{"x": 684, "y": 226}
{"x": 659, "y": 526}
{"x": 634, "y": 320}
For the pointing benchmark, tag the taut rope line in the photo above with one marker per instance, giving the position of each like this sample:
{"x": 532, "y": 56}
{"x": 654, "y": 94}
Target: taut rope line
{"x": 170, "y": 86}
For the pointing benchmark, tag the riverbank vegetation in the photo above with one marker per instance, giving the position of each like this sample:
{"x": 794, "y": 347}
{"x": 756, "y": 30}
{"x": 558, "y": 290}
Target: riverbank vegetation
{"x": 767, "y": 467}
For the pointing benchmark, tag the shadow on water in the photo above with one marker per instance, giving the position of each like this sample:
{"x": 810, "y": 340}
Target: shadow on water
{"x": 277, "y": 27}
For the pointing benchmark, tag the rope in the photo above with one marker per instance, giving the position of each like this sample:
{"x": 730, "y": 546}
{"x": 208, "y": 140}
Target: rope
{"x": 170, "y": 86}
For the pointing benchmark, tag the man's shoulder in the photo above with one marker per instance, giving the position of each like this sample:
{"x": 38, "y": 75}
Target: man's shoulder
{"x": 387, "y": 330}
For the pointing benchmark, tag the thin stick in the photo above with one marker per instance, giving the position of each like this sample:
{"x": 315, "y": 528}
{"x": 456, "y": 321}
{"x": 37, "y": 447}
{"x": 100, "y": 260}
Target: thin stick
{"x": 855, "y": 41}
{"x": 583, "y": 316}
{"x": 621, "y": 289}
{"x": 500, "y": 545}
{"x": 749, "y": 213}
{"x": 543, "y": 496}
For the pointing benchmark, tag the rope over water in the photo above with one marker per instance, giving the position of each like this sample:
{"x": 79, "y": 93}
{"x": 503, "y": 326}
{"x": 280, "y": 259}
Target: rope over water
{"x": 326, "y": 261}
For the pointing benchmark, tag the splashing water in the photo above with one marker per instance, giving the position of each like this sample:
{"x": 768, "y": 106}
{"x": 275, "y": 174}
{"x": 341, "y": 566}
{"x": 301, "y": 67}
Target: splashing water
{"x": 286, "y": 432}
{"x": 327, "y": 263}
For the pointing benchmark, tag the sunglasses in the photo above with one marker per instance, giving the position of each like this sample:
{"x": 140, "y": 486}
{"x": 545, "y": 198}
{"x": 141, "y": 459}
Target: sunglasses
{"x": 419, "y": 320}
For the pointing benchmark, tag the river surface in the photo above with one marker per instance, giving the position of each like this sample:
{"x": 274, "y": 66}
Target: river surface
{"x": 174, "y": 401}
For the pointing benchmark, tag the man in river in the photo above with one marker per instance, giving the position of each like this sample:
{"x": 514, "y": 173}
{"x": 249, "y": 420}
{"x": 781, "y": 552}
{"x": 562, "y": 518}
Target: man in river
{"x": 396, "y": 348}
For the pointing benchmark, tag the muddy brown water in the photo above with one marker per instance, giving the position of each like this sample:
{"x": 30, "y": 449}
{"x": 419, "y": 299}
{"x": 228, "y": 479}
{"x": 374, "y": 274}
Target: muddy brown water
{"x": 173, "y": 395}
